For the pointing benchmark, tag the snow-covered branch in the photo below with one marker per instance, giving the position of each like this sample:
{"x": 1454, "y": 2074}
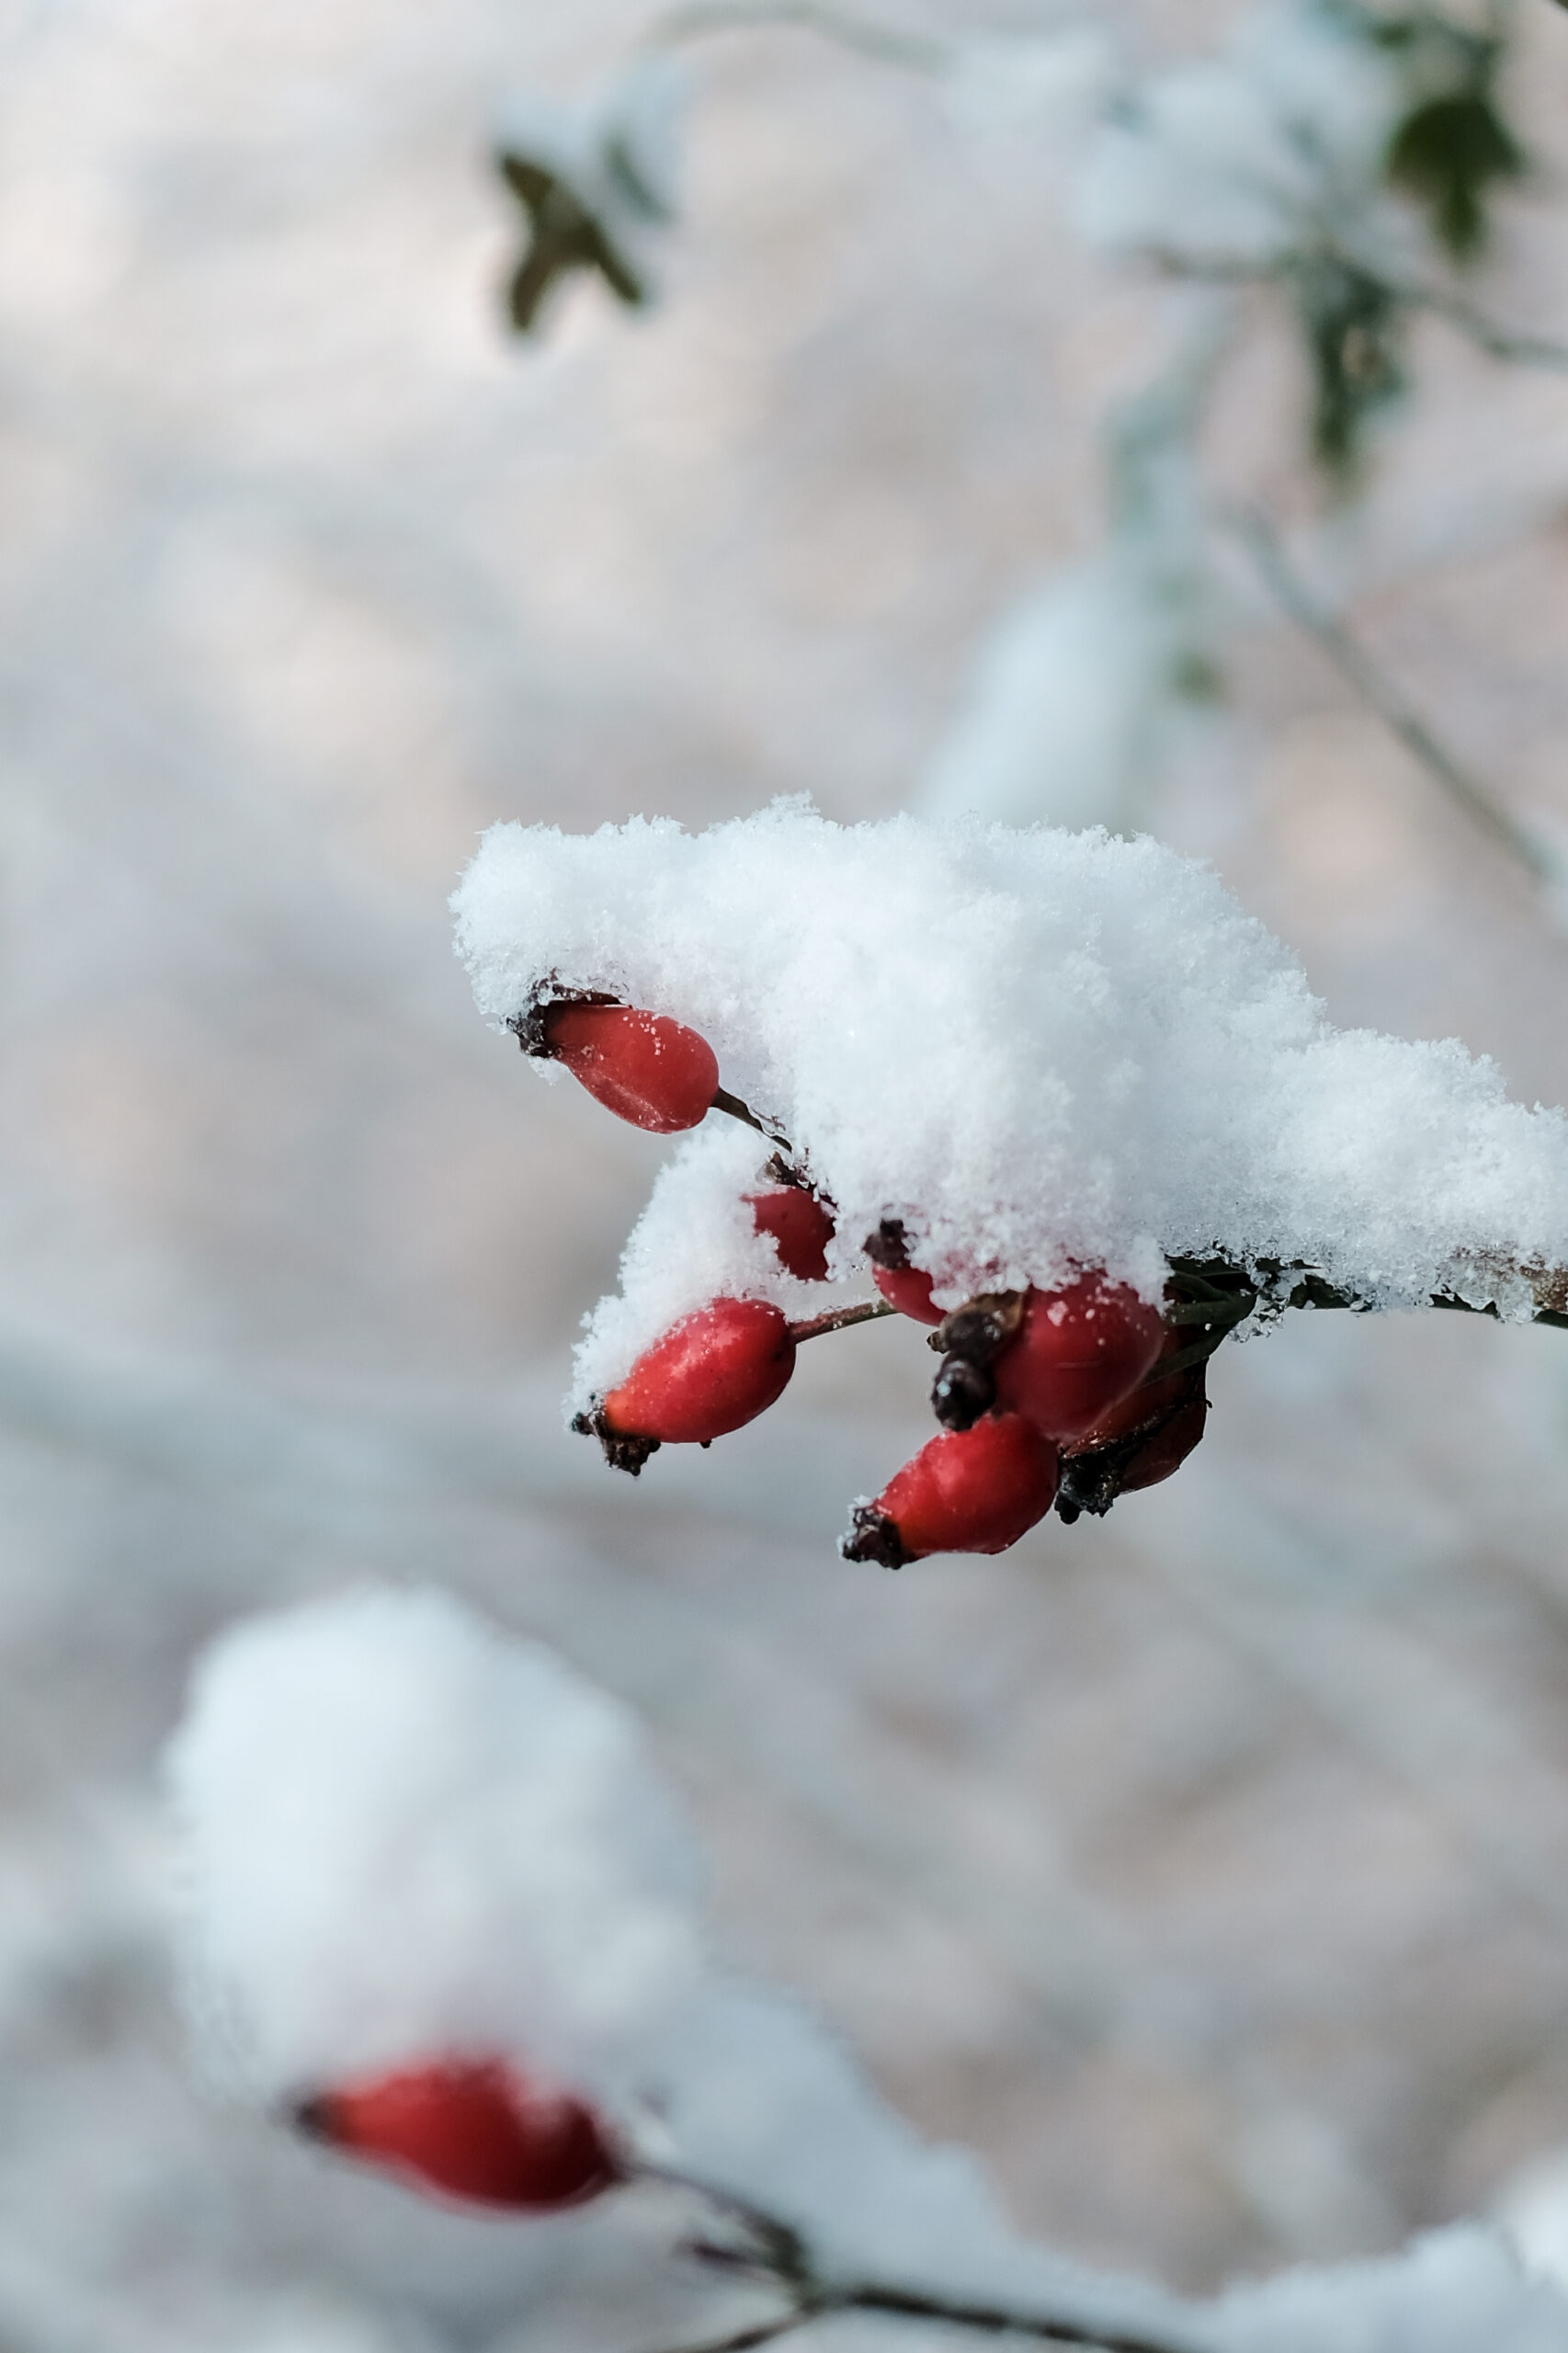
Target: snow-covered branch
{"x": 885, "y": 44}
{"x": 1056, "y": 1094}
{"x": 439, "y": 1904}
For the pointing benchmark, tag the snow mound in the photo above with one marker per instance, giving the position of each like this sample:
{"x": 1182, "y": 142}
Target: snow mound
{"x": 1038, "y": 1050}
{"x": 402, "y": 1835}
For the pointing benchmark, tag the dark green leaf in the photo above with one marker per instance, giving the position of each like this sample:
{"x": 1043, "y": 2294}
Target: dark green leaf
{"x": 1448, "y": 154}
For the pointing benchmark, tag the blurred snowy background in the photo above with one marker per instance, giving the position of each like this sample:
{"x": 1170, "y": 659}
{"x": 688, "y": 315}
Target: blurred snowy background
{"x": 1207, "y": 1868}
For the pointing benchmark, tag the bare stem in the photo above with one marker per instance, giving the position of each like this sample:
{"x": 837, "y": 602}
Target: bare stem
{"x": 1382, "y": 697}
{"x": 992, "y": 2320}
{"x": 731, "y": 1104}
{"x": 1502, "y": 343}
{"x": 762, "y": 2331}
{"x": 879, "y": 43}
{"x": 838, "y": 1319}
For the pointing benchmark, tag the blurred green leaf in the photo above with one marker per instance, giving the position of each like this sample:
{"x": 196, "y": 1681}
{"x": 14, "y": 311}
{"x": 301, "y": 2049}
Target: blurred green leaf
{"x": 1448, "y": 155}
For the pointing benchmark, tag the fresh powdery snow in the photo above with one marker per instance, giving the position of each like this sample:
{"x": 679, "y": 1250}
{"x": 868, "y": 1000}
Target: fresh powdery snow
{"x": 1039, "y": 1050}
{"x": 398, "y": 1830}
{"x": 405, "y": 1836}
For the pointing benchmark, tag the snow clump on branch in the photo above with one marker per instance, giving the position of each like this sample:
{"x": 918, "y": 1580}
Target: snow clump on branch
{"x": 399, "y": 1831}
{"x": 409, "y": 1840}
{"x": 1038, "y": 1050}
{"x": 1231, "y": 159}
{"x": 407, "y": 1837}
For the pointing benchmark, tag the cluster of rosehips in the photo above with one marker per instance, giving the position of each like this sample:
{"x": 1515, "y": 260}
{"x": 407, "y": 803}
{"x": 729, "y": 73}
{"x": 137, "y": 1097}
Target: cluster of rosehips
{"x": 1071, "y": 1396}
{"x": 478, "y": 2129}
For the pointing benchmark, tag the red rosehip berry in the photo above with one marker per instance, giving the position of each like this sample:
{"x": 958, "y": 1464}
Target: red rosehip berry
{"x": 1076, "y": 1354}
{"x": 1144, "y": 1439}
{"x": 1167, "y": 1447}
{"x": 474, "y": 2130}
{"x": 710, "y": 1374}
{"x": 902, "y": 1285}
{"x": 970, "y": 1491}
{"x": 801, "y": 1227}
{"x": 1153, "y": 1399}
{"x": 641, "y": 1066}
{"x": 908, "y": 1289}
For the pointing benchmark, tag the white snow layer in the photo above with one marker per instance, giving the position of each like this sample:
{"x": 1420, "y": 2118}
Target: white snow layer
{"x": 1039, "y": 1049}
{"x": 406, "y": 1833}
{"x": 400, "y": 1833}
{"x": 1241, "y": 157}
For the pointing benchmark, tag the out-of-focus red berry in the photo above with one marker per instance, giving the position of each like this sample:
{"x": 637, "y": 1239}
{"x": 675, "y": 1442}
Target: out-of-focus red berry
{"x": 475, "y": 2129}
{"x": 710, "y": 1373}
{"x": 641, "y": 1066}
{"x": 1076, "y": 1353}
{"x": 801, "y": 1227}
{"x": 970, "y": 1491}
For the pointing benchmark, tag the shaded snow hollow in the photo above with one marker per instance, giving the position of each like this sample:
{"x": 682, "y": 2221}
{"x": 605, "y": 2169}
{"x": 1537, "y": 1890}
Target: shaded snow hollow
{"x": 1037, "y": 1049}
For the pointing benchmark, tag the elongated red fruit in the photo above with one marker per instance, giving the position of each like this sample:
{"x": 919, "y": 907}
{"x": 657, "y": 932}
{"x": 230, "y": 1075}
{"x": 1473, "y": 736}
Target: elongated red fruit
{"x": 1165, "y": 1450}
{"x": 710, "y": 1373}
{"x": 908, "y": 1289}
{"x": 970, "y": 1491}
{"x": 902, "y": 1285}
{"x": 1076, "y": 1353}
{"x": 1151, "y": 1400}
{"x": 475, "y": 2129}
{"x": 1142, "y": 1440}
{"x": 801, "y": 1227}
{"x": 641, "y": 1066}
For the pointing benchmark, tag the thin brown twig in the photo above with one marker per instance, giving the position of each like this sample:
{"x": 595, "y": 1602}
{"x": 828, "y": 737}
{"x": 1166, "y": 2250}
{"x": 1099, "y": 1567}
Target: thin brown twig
{"x": 838, "y": 1319}
{"x": 1502, "y": 343}
{"x": 1384, "y": 698}
{"x": 760, "y": 2333}
{"x": 992, "y": 2320}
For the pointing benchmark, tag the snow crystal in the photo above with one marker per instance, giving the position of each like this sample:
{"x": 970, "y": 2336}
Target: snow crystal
{"x": 1038, "y": 1050}
{"x": 401, "y": 1834}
